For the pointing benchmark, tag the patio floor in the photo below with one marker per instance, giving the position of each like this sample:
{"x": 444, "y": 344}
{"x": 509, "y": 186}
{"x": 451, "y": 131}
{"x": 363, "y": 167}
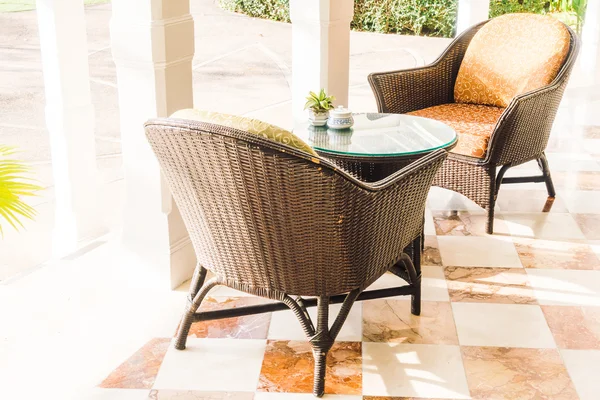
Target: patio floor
{"x": 514, "y": 315}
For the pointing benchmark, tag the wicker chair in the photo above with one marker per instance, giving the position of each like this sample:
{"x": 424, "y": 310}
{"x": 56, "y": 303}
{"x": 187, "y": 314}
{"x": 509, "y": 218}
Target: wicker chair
{"x": 520, "y": 133}
{"x": 277, "y": 222}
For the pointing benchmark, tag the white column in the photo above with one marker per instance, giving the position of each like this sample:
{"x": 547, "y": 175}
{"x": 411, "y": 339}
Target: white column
{"x": 589, "y": 55}
{"x": 320, "y": 49}
{"x": 70, "y": 122}
{"x": 153, "y": 47}
{"x": 471, "y": 12}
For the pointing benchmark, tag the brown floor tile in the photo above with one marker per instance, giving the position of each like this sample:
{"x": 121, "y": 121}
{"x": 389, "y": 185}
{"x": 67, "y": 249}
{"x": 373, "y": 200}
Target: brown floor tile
{"x": 195, "y": 395}
{"x": 496, "y": 373}
{"x": 575, "y": 328}
{"x": 550, "y": 254}
{"x": 489, "y": 285}
{"x": 589, "y": 224}
{"x": 139, "y": 371}
{"x": 391, "y": 321}
{"x": 461, "y": 223}
{"x": 431, "y": 252}
{"x": 246, "y": 327}
{"x": 288, "y": 367}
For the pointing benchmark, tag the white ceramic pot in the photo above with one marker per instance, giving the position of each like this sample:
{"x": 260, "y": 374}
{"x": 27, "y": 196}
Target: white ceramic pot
{"x": 318, "y": 119}
{"x": 340, "y": 118}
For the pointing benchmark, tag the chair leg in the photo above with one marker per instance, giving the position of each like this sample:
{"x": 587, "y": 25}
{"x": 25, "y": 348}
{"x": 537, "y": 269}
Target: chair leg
{"x": 190, "y": 309}
{"x": 543, "y": 163}
{"x": 321, "y": 344}
{"x": 494, "y": 187}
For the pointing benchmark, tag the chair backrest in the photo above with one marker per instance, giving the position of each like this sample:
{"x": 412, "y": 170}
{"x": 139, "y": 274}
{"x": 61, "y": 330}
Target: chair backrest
{"x": 276, "y": 219}
{"x": 510, "y": 55}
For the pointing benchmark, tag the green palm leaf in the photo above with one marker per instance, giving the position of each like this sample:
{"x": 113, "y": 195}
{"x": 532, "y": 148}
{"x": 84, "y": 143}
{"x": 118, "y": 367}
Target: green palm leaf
{"x": 14, "y": 185}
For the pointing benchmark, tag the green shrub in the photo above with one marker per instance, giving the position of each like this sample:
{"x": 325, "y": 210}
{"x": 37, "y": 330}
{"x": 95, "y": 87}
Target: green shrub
{"x": 277, "y": 10}
{"x": 414, "y": 17}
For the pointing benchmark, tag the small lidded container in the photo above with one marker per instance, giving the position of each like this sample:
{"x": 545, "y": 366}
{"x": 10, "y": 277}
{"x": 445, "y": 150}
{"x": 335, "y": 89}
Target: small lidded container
{"x": 340, "y": 118}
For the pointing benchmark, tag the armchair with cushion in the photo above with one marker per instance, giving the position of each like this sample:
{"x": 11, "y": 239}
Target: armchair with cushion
{"x": 499, "y": 85}
{"x": 269, "y": 217}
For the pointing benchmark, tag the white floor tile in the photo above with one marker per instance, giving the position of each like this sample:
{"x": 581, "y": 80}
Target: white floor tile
{"x": 582, "y": 366}
{"x": 501, "y": 325}
{"x": 550, "y": 226}
{"x": 433, "y": 284}
{"x": 583, "y": 201}
{"x": 444, "y": 199}
{"x": 285, "y": 325}
{"x": 114, "y": 394}
{"x": 484, "y": 251}
{"x": 565, "y": 287}
{"x": 302, "y": 396}
{"x": 213, "y": 365}
{"x": 428, "y": 371}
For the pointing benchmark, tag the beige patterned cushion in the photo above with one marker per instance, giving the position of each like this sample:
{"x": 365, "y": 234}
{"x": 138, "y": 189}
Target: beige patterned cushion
{"x": 250, "y": 125}
{"x": 473, "y": 124}
{"x": 511, "y": 55}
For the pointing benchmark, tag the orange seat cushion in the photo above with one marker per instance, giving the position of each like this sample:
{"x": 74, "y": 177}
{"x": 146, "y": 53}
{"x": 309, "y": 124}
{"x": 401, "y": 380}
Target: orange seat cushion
{"x": 473, "y": 124}
{"x": 510, "y": 55}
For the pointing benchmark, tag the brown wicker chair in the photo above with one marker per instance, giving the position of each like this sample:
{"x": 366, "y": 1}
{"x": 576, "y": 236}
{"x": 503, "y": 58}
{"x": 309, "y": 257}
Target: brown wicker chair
{"x": 520, "y": 134}
{"x": 276, "y": 222}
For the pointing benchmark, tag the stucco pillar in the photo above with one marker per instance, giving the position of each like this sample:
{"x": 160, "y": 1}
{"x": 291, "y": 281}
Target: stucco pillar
{"x": 589, "y": 55}
{"x": 320, "y": 49}
{"x": 70, "y": 122}
{"x": 471, "y": 12}
{"x": 153, "y": 46}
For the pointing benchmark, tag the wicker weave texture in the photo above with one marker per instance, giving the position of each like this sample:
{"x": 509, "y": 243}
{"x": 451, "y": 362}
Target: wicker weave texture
{"x": 268, "y": 217}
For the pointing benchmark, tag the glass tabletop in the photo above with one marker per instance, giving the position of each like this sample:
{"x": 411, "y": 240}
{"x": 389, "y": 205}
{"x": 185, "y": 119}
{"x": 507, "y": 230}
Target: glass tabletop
{"x": 380, "y": 135}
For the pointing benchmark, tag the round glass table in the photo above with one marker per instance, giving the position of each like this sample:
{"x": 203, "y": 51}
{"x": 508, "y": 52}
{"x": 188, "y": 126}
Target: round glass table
{"x": 378, "y": 144}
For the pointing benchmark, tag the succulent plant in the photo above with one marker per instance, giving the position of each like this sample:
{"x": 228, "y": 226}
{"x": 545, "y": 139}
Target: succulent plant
{"x": 319, "y": 103}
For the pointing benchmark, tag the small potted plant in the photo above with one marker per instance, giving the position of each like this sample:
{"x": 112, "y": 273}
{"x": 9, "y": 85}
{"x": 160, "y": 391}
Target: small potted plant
{"x": 318, "y": 106}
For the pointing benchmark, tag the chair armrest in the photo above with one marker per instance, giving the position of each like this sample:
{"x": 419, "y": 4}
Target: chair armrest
{"x": 523, "y": 130}
{"x": 413, "y": 89}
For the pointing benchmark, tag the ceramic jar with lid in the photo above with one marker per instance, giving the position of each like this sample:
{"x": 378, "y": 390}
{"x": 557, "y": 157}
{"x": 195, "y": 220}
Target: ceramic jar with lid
{"x": 340, "y": 118}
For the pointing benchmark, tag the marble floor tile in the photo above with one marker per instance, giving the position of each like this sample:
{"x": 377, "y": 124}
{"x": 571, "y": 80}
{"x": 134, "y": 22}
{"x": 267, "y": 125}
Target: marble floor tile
{"x": 285, "y": 325}
{"x": 431, "y": 252}
{"x": 139, "y": 371}
{"x": 489, "y": 285}
{"x": 302, "y": 396}
{"x": 462, "y": 223}
{"x": 583, "y": 201}
{"x": 429, "y": 227}
{"x": 555, "y": 254}
{"x": 565, "y": 287}
{"x": 589, "y": 225}
{"x": 288, "y": 367}
{"x": 550, "y": 226}
{"x": 580, "y": 180}
{"x": 501, "y": 325}
{"x": 433, "y": 284}
{"x": 401, "y": 398}
{"x": 166, "y": 394}
{"x": 474, "y": 251}
{"x": 391, "y": 321}
{"x": 526, "y": 201}
{"x": 213, "y": 365}
{"x": 574, "y": 327}
{"x": 444, "y": 199}
{"x": 498, "y": 373}
{"x": 572, "y": 162}
{"x": 113, "y": 394}
{"x": 413, "y": 370}
{"x": 583, "y": 369}
{"x": 246, "y": 327}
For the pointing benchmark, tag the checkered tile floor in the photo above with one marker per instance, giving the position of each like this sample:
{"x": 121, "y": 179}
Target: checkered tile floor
{"x": 514, "y": 315}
